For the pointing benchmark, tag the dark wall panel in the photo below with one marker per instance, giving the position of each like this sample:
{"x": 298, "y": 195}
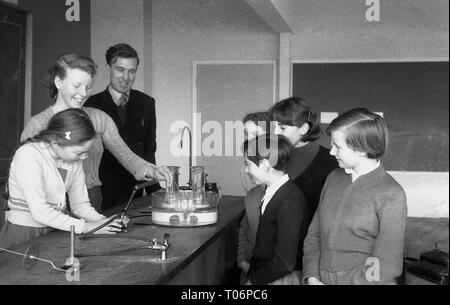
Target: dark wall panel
{"x": 53, "y": 35}
{"x": 12, "y": 83}
{"x": 414, "y": 97}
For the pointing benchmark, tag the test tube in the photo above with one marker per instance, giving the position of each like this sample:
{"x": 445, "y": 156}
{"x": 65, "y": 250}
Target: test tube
{"x": 198, "y": 184}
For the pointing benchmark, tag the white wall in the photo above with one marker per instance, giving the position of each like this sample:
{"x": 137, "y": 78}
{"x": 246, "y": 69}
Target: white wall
{"x": 427, "y": 193}
{"x": 338, "y": 29}
{"x": 187, "y": 30}
{"x": 148, "y": 55}
{"x": 112, "y": 22}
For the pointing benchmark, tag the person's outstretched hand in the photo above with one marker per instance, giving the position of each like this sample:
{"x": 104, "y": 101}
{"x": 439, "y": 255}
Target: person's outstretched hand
{"x": 160, "y": 173}
{"x": 112, "y": 228}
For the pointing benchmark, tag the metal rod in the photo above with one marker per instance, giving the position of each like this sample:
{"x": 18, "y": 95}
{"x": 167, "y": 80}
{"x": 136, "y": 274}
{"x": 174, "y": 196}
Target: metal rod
{"x": 46, "y": 261}
{"x": 34, "y": 257}
{"x": 129, "y": 200}
{"x": 13, "y": 252}
{"x": 144, "y": 184}
{"x": 87, "y": 234}
{"x": 72, "y": 244}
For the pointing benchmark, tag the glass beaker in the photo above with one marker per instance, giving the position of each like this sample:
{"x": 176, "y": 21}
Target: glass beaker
{"x": 172, "y": 185}
{"x": 198, "y": 184}
{"x": 212, "y": 195}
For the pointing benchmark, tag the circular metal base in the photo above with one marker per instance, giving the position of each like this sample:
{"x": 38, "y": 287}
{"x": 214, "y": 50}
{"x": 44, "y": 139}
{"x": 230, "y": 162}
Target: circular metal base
{"x": 29, "y": 257}
{"x": 183, "y": 225}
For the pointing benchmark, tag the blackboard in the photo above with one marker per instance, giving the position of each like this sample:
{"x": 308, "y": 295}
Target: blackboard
{"x": 413, "y": 96}
{"x": 12, "y": 83}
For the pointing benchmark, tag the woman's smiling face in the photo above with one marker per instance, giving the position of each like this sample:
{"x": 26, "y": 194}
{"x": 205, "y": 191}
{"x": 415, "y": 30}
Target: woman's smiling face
{"x": 75, "y": 88}
{"x": 73, "y": 153}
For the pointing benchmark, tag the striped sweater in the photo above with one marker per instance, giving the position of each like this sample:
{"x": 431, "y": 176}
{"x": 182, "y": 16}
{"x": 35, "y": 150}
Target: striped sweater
{"x": 107, "y": 134}
{"x": 38, "y": 192}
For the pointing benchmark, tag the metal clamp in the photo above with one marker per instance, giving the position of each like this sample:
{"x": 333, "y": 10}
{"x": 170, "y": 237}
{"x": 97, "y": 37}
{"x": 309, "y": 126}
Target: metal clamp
{"x": 160, "y": 246}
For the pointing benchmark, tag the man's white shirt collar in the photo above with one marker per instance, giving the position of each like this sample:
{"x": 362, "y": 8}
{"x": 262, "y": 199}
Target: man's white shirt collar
{"x": 116, "y": 95}
{"x": 271, "y": 190}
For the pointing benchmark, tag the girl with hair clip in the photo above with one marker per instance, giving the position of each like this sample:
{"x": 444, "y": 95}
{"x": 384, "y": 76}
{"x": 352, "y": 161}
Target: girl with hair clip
{"x": 43, "y": 170}
{"x": 70, "y": 83}
{"x": 357, "y": 234}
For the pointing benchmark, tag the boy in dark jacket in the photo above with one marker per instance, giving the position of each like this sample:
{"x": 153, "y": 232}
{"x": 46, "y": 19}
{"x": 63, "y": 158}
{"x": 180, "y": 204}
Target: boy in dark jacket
{"x": 284, "y": 215}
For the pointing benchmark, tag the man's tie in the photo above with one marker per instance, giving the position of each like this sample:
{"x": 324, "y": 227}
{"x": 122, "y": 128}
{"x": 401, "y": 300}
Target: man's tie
{"x": 123, "y": 100}
{"x": 122, "y": 109}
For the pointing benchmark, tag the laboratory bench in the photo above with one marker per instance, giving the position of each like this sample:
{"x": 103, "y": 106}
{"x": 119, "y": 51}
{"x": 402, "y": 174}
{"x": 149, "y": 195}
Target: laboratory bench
{"x": 196, "y": 256}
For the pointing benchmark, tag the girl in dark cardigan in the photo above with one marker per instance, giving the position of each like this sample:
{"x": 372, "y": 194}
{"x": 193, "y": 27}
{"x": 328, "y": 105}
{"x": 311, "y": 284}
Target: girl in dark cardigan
{"x": 357, "y": 234}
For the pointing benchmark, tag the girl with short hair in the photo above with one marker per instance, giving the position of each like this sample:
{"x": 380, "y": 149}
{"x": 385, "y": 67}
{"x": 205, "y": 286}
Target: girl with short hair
{"x": 357, "y": 234}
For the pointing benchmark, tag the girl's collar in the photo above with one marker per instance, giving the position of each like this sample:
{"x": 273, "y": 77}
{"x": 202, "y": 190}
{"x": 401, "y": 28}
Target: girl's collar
{"x": 363, "y": 172}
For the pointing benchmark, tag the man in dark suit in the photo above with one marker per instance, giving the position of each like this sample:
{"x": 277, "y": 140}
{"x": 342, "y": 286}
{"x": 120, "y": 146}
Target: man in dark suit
{"x": 134, "y": 114}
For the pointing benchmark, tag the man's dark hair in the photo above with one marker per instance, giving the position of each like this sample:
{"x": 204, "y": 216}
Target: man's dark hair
{"x": 121, "y": 50}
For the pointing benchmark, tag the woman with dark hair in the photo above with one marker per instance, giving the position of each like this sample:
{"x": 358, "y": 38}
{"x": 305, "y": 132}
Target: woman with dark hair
{"x": 310, "y": 163}
{"x": 70, "y": 84}
{"x": 43, "y": 170}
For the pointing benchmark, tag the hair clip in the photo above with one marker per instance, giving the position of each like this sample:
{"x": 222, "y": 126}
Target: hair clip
{"x": 68, "y": 133}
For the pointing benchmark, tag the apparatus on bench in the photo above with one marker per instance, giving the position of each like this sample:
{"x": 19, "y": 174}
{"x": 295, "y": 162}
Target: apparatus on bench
{"x": 190, "y": 206}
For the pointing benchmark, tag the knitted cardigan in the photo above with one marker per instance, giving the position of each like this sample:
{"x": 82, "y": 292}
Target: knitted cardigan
{"x": 37, "y": 192}
{"x": 356, "y": 224}
{"x": 107, "y": 134}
